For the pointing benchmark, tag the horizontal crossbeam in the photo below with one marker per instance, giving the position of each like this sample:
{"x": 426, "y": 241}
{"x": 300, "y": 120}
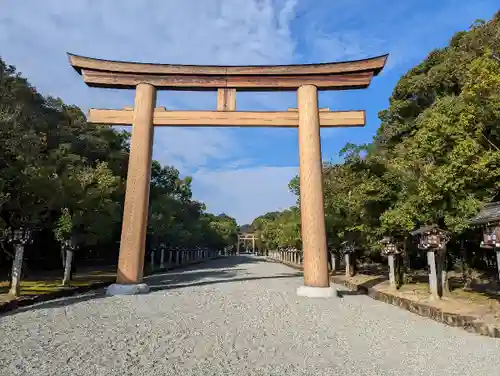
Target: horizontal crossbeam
{"x": 322, "y": 109}
{"x": 286, "y": 119}
{"x": 358, "y": 80}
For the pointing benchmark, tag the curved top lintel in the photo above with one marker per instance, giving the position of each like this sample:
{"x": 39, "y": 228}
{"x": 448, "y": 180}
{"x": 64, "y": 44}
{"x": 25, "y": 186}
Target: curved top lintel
{"x": 373, "y": 65}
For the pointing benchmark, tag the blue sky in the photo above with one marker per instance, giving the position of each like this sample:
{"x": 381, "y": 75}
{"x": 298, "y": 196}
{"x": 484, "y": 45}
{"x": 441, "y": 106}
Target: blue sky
{"x": 242, "y": 172}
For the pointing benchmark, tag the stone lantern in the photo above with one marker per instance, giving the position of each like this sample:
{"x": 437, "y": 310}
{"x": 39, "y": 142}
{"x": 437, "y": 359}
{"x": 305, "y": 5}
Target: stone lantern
{"x": 19, "y": 238}
{"x": 333, "y": 259}
{"x": 489, "y": 219}
{"x": 433, "y": 240}
{"x": 69, "y": 246}
{"x": 349, "y": 250}
{"x": 391, "y": 250}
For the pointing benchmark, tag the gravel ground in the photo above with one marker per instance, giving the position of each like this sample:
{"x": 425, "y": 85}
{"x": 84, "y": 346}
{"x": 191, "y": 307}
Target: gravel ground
{"x": 235, "y": 316}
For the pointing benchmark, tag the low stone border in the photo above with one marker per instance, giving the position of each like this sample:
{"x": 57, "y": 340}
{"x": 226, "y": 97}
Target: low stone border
{"x": 70, "y": 291}
{"x": 468, "y": 323}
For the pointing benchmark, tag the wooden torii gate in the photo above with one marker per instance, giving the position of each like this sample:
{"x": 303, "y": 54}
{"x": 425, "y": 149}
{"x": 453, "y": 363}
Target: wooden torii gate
{"x": 245, "y": 237}
{"x": 146, "y": 79}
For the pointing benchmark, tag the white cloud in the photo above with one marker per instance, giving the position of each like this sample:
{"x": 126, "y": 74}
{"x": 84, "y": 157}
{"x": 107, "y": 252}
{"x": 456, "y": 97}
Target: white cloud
{"x": 249, "y": 191}
{"x": 35, "y": 36}
{"x": 192, "y": 148}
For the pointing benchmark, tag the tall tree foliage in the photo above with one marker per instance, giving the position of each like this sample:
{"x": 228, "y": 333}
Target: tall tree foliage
{"x": 435, "y": 157}
{"x": 64, "y": 176}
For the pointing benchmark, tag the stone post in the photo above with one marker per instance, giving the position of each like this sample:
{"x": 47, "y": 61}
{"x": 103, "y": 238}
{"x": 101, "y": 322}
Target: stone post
{"x": 17, "y": 264}
{"x": 433, "y": 275}
{"x": 391, "y": 258}
{"x": 335, "y": 262}
{"x": 347, "y": 261}
{"x": 498, "y": 261}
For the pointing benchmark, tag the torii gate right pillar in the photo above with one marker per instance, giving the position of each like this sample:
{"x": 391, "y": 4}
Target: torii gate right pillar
{"x": 312, "y": 212}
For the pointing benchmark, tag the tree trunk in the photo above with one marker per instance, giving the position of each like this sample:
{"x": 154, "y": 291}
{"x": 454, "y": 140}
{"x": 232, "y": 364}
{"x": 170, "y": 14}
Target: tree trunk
{"x": 395, "y": 270}
{"x": 442, "y": 269}
{"x": 63, "y": 257}
{"x": 17, "y": 265}
{"x": 466, "y": 269}
{"x": 67, "y": 267}
{"x": 350, "y": 265}
{"x": 162, "y": 258}
{"x": 399, "y": 270}
{"x": 406, "y": 265}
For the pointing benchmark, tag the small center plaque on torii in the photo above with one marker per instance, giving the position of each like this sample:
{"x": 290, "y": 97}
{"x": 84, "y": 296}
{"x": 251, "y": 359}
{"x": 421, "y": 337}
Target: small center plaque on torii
{"x": 227, "y": 80}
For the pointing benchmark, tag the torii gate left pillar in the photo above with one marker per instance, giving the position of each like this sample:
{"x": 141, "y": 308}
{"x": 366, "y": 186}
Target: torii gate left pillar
{"x": 135, "y": 212}
{"x": 305, "y": 79}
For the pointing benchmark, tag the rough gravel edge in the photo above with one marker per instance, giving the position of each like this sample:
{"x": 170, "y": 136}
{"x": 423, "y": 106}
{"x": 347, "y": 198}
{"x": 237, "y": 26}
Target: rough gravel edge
{"x": 468, "y": 323}
{"x": 71, "y": 291}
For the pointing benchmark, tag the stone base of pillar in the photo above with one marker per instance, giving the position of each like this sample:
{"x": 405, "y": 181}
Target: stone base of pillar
{"x": 316, "y": 292}
{"x": 133, "y": 289}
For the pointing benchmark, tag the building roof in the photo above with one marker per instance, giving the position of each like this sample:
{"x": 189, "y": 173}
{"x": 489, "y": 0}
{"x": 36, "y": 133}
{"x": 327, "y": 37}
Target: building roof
{"x": 489, "y": 214}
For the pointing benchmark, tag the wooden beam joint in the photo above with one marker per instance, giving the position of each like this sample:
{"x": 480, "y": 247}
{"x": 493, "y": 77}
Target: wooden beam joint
{"x": 226, "y": 99}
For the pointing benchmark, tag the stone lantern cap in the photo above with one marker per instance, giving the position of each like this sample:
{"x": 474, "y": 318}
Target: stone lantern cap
{"x": 489, "y": 219}
{"x": 347, "y": 246}
{"x": 387, "y": 240}
{"x": 431, "y": 237}
{"x": 390, "y": 247}
{"x": 425, "y": 230}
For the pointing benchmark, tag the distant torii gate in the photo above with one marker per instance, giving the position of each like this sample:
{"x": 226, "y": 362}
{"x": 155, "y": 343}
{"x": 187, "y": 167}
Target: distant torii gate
{"x": 305, "y": 79}
{"x": 246, "y": 237}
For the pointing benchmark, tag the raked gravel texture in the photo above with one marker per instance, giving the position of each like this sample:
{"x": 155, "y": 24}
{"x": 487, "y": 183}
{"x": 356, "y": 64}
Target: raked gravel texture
{"x": 235, "y": 316}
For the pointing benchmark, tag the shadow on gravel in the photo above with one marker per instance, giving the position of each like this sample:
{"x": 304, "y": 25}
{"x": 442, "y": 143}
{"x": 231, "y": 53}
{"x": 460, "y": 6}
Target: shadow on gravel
{"x": 58, "y": 303}
{"x": 222, "y": 262}
{"x": 223, "y": 269}
{"x": 342, "y": 293}
{"x": 160, "y": 287}
{"x": 219, "y": 271}
{"x": 362, "y": 288}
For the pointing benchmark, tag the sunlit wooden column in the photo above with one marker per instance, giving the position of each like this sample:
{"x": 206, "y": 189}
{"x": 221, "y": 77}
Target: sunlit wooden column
{"x": 135, "y": 213}
{"x": 311, "y": 190}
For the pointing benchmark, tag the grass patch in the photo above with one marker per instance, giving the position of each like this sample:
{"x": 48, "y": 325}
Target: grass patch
{"x": 47, "y": 286}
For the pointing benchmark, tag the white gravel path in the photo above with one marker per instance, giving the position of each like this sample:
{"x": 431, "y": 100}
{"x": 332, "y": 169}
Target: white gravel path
{"x": 236, "y": 316}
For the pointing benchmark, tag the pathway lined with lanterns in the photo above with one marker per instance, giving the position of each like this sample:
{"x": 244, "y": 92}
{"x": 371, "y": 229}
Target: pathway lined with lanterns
{"x": 238, "y": 315}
